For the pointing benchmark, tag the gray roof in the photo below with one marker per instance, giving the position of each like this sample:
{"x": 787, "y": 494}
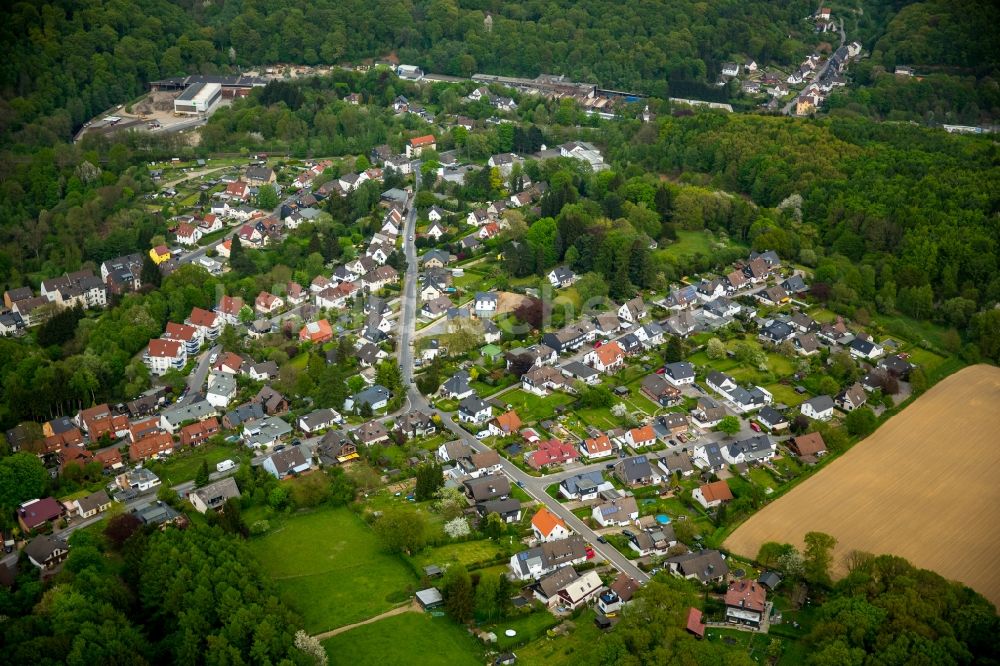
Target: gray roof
{"x": 217, "y": 492}
{"x": 770, "y": 416}
{"x": 820, "y": 403}
{"x": 471, "y": 405}
{"x": 706, "y": 564}
{"x": 634, "y": 469}
{"x": 94, "y": 501}
{"x": 193, "y": 411}
{"x": 499, "y": 506}
{"x": 288, "y": 459}
{"x": 581, "y": 483}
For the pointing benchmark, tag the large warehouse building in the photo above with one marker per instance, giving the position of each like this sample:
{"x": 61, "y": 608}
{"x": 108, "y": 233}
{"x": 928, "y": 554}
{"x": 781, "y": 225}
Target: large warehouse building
{"x": 198, "y": 98}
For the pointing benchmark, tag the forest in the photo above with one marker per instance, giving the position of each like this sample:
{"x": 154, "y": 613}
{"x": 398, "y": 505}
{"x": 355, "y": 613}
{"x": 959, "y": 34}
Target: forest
{"x": 957, "y": 67}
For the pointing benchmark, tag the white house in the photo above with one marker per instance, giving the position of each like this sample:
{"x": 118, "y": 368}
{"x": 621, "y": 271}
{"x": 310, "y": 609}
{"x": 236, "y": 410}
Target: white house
{"x": 607, "y": 358}
{"x": 486, "y": 304}
{"x": 819, "y": 408}
{"x": 473, "y": 410}
{"x": 679, "y": 374}
{"x": 619, "y": 512}
{"x": 221, "y": 389}
{"x": 547, "y": 526}
{"x": 163, "y": 355}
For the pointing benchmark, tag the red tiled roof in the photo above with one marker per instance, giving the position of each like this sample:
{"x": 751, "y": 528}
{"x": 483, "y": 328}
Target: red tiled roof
{"x": 164, "y": 348}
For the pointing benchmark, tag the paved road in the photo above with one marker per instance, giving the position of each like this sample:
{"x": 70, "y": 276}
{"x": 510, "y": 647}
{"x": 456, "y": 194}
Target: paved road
{"x": 533, "y": 486}
{"x": 197, "y": 377}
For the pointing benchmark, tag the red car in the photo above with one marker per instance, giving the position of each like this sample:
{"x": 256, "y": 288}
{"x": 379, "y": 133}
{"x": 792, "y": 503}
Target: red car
{"x": 590, "y": 553}
{"x": 598, "y": 344}
{"x": 661, "y": 371}
{"x": 754, "y": 426}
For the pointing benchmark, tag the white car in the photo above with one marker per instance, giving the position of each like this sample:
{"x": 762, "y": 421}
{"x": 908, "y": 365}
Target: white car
{"x": 213, "y": 358}
{"x": 482, "y": 434}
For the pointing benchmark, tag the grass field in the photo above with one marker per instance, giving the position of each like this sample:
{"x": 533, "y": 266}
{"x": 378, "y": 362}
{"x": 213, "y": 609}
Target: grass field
{"x": 401, "y": 638}
{"x": 331, "y": 568}
{"x": 922, "y": 487}
{"x": 531, "y": 407}
{"x": 184, "y": 466}
{"x": 571, "y": 649}
{"x": 466, "y": 552}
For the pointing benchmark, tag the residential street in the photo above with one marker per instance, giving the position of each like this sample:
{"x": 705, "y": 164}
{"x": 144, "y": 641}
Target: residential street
{"x": 533, "y": 486}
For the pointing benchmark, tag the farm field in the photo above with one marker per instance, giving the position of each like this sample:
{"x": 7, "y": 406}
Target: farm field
{"x": 922, "y": 487}
{"x": 331, "y": 569}
{"x": 397, "y": 639}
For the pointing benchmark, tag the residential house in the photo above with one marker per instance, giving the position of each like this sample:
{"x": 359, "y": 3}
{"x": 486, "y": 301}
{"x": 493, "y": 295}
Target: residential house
{"x": 746, "y": 603}
{"x": 243, "y": 415}
{"x": 820, "y": 408}
{"x": 163, "y": 355}
{"x": 415, "y": 424}
{"x": 486, "y": 304}
{"x": 806, "y": 344}
{"x": 293, "y": 460}
{"x": 505, "y": 424}
{"x": 677, "y": 462}
{"x": 772, "y": 296}
{"x": 272, "y": 401}
{"x": 596, "y": 447}
{"x": 653, "y": 539}
{"x": 585, "y": 486}
{"x": 547, "y": 526}
{"x": 473, "y": 410}
{"x": 150, "y": 447}
{"x": 810, "y": 445}
{"x": 618, "y": 512}
{"x": 209, "y": 323}
{"x": 608, "y": 358}
{"x": 584, "y": 373}
{"x": 266, "y": 303}
{"x": 771, "y": 419}
{"x": 188, "y": 234}
{"x": 266, "y": 432}
{"x": 547, "y": 589}
{"x": 215, "y": 495}
{"x": 632, "y": 311}
{"x": 755, "y": 449}
{"x": 708, "y": 457}
{"x": 376, "y": 396}
{"x": 45, "y": 552}
{"x": 35, "y": 513}
{"x": 417, "y": 145}
{"x": 190, "y": 336}
{"x": 551, "y": 452}
{"x": 547, "y": 557}
{"x": 776, "y": 332}
{"x": 371, "y": 433}
{"x": 851, "y": 398}
{"x": 706, "y": 566}
{"x": 865, "y": 349}
{"x": 640, "y": 437}
{"x": 319, "y": 419}
{"x": 708, "y": 413}
{"x": 658, "y": 389}
{"x": 199, "y": 432}
{"x": 229, "y": 308}
{"x": 316, "y": 332}
{"x": 454, "y": 451}
{"x": 335, "y": 448}
{"x": 93, "y": 504}
{"x": 488, "y": 487}
{"x": 171, "y": 419}
{"x": 580, "y": 591}
{"x": 636, "y": 471}
{"x": 721, "y": 308}
{"x": 712, "y": 494}
{"x": 561, "y": 277}
{"x": 508, "y": 509}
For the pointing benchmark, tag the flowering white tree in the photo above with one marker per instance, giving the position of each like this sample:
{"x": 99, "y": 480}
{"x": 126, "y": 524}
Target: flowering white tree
{"x": 311, "y": 646}
{"x": 457, "y": 527}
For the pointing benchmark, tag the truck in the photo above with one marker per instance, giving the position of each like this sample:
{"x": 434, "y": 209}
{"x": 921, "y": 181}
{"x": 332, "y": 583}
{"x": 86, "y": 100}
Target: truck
{"x": 225, "y": 465}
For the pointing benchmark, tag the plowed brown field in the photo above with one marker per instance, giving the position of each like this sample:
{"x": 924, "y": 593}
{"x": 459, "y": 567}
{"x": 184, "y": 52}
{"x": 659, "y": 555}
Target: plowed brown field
{"x": 925, "y": 487}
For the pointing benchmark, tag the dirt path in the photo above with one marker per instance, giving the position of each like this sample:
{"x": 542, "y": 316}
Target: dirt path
{"x": 411, "y": 607}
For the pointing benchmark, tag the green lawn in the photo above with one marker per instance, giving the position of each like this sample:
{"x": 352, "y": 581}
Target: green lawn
{"x": 571, "y": 649}
{"x": 528, "y": 628}
{"x": 331, "y": 568}
{"x": 466, "y": 552}
{"x": 531, "y": 407}
{"x": 184, "y": 466}
{"x": 784, "y": 393}
{"x": 689, "y": 243}
{"x": 400, "y": 639}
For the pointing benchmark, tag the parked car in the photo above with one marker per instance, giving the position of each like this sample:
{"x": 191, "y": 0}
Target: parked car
{"x": 602, "y": 539}
{"x": 754, "y": 426}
